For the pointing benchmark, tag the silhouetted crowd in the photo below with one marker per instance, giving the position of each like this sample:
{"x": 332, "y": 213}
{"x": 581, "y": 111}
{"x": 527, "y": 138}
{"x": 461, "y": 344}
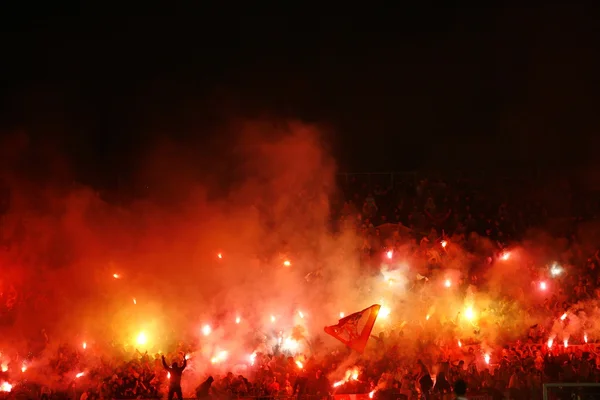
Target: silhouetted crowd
{"x": 424, "y": 212}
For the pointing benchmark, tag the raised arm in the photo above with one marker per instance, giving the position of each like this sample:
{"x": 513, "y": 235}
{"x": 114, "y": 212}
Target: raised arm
{"x": 165, "y": 364}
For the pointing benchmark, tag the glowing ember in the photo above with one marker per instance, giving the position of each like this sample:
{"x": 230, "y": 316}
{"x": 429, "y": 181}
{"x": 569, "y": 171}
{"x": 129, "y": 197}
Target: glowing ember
{"x": 444, "y": 243}
{"x": 389, "y": 254}
{"x": 299, "y": 364}
{"x": 447, "y": 283}
{"x": 238, "y": 320}
{"x": 206, "y": 330}
{"x": 84, "y": 345}
{"x": 543, "y": 286}
{"x": 287, "y": 263}
{"x": 486, "y": 358}
{"x": 562, "y": 317}
{"x": 550, "y": 342}
{"x": 141, "y": 339}
{"x": 300, "y": 314}
{"x": 5, "y": 387}
{"x": 585, "y": 338}
{"x": 79, "y": 375}
{"x": 116, "y": 276}
{"x": 342, "y": 315}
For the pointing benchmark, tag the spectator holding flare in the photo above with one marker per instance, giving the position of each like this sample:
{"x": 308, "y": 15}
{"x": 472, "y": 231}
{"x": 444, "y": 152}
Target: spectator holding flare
{"x": 175, "y": 382}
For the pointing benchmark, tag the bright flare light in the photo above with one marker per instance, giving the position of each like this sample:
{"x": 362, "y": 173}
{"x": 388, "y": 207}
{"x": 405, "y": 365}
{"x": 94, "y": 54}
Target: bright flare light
{"x": 448, "y": 283}
{"x": 563, "y": 317}
{"x": 566, "y": 342}
{"x": 550, "y": 343}
{"x": 116, "y": 276}
{"x": 585, "y": 338}
{"x": 384, "y": 312}
{"x": 220, "y": 256}
{"x": 221, "y": 356}
{"x": 252, "y": 358}
{"x": 5, "y": 387}
{"x": 206, "y": 330}
{"x": 238, "y": 320}
{"x": 273, "y": 318}
{"x": 290, "y": 344}
{"x": 459, "y": 343}
{"x": 444, "y": 243}
{"x": 141, "y": 339}
{"x": 505, "y": 255}
{"x": 4, "y": 367}
{"x": 79, "y": 375}
{"x": 469, "y": 313}
{"x": 342, "y": 315}
{"x": 84, "y": 345}
{"x": 23, "y": 368}
{"x": 299, "y": 364}
{"x": 168, "y": 375}
{"x": 555, "y": 270}
{"x": 300, "y": 314}
{"x": 287, "y": 263}
{"x": 134, "y": 301}
{"x": 486, "y": 358}
{"x": 543, "y": 286}
{"x": 389, "y": 254}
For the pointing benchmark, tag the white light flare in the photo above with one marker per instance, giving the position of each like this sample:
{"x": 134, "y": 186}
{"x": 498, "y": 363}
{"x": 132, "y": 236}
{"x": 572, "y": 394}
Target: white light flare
{"x": 238, "y": 320}
{"x": 543, "y": 285}
{"x": 447, "y": 283}
{"x": 84, "y": 345}
{"x": 301, "y": 314}
{"x": 486, "y": 358}
{"x": 556, "y": 270}
{"x": 116, "y": 276}
{"x": 342, "y": 314}
{"x": 79, "y": 375}
{"x": 5, "y": 387}
{"x": 287, "y": 263}
{"x": 389, "y": 254}
{"x": 206, "y": 330}
{"x": 563, "y": 317}
{"x": 585, "y": 337}
{"x": 444, "y": 243}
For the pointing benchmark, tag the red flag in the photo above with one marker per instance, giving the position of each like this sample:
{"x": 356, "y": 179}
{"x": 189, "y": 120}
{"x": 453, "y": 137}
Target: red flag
{"x": 355, "y": 329}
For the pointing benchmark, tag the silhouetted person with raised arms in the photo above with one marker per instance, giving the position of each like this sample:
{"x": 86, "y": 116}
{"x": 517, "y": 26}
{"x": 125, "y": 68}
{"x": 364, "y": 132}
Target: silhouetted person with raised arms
{"x": 175, "y": 382}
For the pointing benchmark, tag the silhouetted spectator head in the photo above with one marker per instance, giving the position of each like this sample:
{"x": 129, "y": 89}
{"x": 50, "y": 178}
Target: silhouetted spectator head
{"x": 460, "y": 387}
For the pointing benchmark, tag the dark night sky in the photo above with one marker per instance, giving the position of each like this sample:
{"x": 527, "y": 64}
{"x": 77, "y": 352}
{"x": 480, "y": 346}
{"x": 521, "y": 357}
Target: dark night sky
{"x": 416, "y": 87}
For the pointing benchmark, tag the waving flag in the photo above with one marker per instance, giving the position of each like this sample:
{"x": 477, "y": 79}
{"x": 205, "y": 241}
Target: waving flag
{"x": 355, "y": 329}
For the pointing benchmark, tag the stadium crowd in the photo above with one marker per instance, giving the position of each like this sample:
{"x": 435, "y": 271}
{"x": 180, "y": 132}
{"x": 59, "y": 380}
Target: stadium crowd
{"x": 427, "y": 212}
